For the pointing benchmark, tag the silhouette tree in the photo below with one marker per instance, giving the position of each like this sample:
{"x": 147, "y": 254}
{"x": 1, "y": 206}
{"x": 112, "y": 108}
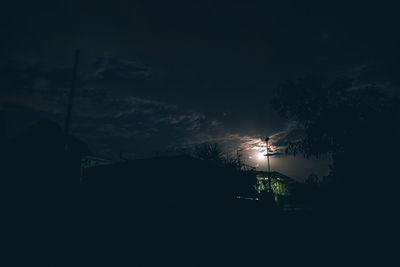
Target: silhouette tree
{"x": 209, "y": 152}
{"x": 355, "y": 125}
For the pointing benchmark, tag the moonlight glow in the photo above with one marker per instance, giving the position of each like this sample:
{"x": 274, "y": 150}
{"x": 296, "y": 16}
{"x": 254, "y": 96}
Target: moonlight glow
{"x": 260, "y": 156}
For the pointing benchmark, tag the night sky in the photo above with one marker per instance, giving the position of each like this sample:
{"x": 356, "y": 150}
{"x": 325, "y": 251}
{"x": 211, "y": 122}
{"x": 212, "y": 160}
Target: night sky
{"x": 155, "y": 76}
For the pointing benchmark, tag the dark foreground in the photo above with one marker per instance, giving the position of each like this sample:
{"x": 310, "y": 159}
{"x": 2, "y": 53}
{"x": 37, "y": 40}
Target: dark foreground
{"x": 172, "y": 212}
{"x": 79, "y": 228}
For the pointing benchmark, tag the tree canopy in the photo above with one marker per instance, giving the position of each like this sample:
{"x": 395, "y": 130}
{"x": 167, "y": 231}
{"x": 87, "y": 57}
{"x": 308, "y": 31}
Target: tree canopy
{"x": 356, "y": 124}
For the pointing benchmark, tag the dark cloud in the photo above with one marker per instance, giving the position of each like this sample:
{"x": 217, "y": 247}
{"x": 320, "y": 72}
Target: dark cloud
{"x": 291, "y": 134}
{"x": 105, "y": 118}
{"x": 109, "y": 69}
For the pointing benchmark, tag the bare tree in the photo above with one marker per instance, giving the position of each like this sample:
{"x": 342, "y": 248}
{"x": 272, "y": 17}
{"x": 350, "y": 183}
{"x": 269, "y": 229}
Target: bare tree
{"x": 209, "y": 152}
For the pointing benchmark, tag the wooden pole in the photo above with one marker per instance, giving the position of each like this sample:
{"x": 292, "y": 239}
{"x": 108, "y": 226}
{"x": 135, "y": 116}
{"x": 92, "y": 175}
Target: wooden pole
{"x": 72, "y": 92}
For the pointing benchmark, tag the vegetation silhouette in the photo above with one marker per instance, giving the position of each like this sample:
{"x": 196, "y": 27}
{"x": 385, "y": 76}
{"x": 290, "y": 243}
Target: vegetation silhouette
{"x": 357, "y": 126}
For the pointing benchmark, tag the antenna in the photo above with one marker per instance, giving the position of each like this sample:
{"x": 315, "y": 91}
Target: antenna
{"x": 269, "y": 168}
{"x": 266, "y": 141}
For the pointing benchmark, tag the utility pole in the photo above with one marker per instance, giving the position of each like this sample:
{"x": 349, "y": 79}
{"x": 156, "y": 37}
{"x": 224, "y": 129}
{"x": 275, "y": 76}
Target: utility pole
{"x": 72, "y": 93}
{"x": 73, "y": 159}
